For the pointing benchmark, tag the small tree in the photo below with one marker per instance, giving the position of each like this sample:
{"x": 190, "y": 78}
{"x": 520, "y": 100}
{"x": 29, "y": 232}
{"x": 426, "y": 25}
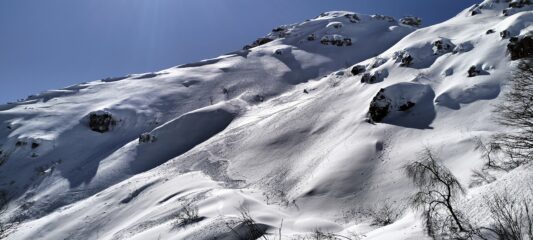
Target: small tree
{"x": 516, "y": 112}
{"x": 438, "y": 190}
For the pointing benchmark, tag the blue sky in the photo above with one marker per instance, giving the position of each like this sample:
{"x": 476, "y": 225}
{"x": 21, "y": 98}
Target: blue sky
{"x": 55, "y": 43}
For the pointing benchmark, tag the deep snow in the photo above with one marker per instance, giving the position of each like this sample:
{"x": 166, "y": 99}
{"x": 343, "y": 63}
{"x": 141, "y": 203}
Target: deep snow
{"x": 281, "y": 129}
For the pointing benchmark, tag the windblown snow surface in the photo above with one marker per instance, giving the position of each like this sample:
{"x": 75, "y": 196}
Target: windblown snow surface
{"x": 279, "y": 129}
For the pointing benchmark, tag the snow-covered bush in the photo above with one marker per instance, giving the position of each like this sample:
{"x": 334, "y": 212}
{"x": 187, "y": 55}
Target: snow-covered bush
{"x": 411, "y": 21}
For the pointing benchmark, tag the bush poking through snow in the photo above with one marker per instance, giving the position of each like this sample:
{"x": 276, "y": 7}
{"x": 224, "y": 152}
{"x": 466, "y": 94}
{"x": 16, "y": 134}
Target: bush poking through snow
{"x": 247, "y": 228}
{"x": 438, "y": 191}
{"x": 187, "y": 215}
{"x": 512, "y": 216}
{"x": 383, "y": 213}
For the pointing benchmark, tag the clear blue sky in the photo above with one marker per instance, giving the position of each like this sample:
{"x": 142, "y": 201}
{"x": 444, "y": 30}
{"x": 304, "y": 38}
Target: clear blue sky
{"x": 55, "y": 43}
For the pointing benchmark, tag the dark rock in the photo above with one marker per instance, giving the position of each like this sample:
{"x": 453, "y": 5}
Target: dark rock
{"x": 259, "y": 98}
{"x": 411, "y": 21}
{"x": 383, "y": 17}
{"x": 520, "y": 47}
{"x": 258, "y": 42}
{"x": 406, "y": 60}
{"x": 20, "y": 143}
{"x": 473, "y": 71}
{"x": 34, "y": 145}
{"x": 336, "y": 40}
{"x": 404, "y": 107}
{"x": 101, "y": 121}
{"x": 311, "y": 37}
{"x": 379, "y": 107}
{"x": 147, "y": 138}
{"x": 278, "y": 29}
{"x": 475, "y": 11}
{"x": 358, "y": 69}
{"x": 374, "y": 77}
{"x": 305, "y": 91}
{"x": 348, "y": 41}
{"x": 352, "y": 17}
{"x": 490, "y": 31}
{"x": 519, "y": 3}
{"x": 505, "y": 34}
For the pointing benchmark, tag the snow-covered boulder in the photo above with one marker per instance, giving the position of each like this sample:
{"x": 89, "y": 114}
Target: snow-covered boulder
{"x": 404, "y": 104}
{"x": 442, "y": 46}
{"x": 374, "y": 77}
{"x": 358, "y": 69}
{"x": 336, "y": 40}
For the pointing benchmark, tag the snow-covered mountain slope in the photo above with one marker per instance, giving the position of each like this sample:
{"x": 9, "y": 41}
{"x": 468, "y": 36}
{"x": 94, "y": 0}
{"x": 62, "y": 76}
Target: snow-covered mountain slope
{"x": 264, "y": 129}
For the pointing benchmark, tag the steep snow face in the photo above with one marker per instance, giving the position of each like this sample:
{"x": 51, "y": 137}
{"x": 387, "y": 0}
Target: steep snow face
{"x": 62, "y": 146}
{"x": 261, "y": 129}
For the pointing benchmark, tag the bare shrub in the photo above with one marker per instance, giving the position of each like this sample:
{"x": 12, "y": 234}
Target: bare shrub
{"x": 188, "y": 214}
{"x": 438, "y": 191}
{"x": 246, "y": 228}
{"x": 383, "y": 213}
{"x": 516, "y": 112}
{"x": 512, "y": 216}
{"x": 318, "y": 234}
